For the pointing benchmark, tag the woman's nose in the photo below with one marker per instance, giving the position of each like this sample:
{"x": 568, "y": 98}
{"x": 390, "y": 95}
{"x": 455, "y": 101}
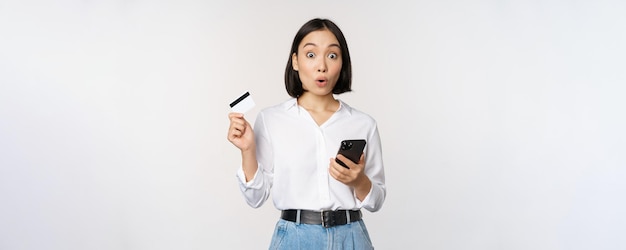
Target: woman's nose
{"x": 321, "y": 67}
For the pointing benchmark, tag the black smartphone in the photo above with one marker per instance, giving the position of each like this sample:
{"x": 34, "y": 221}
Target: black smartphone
{"x": 351, "y": 149}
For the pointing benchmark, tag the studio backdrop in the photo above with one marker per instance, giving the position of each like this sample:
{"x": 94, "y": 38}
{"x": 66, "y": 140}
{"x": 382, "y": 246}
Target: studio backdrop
{"x": 502, "y": 122}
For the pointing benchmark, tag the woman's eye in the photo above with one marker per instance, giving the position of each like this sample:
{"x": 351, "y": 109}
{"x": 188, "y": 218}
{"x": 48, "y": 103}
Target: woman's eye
{"x": 332, "y": 56}
{"x": 310, "y": 55}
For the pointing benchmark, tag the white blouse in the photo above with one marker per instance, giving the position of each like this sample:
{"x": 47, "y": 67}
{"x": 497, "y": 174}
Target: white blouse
{"x": 294, "y": 154}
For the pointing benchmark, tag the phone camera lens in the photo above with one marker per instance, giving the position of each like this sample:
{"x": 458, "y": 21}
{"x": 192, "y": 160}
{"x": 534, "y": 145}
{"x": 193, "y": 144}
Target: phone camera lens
{"x": 346, "y": 145}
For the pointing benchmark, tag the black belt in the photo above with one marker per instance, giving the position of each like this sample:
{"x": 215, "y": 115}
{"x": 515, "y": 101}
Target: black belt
{"x": 326, "y": 218}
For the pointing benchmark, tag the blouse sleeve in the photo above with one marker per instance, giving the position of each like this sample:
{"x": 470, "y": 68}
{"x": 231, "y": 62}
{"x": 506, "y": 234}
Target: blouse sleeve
{"x": 257, "y": 190}
{"x": 375, "y": 171}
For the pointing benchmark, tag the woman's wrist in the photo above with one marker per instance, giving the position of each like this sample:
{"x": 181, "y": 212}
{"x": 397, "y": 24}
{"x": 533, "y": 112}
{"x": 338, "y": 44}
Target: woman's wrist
{"x": 362, "y": 187}
{"x": 248, "y": 151}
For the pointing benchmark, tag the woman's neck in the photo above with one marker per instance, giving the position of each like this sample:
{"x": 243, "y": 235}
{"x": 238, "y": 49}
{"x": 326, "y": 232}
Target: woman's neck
{"x": 318, "y": 103}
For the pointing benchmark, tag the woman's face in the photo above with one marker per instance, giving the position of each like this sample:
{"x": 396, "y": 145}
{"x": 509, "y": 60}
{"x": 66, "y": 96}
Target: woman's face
{"x": 318, "y": 62}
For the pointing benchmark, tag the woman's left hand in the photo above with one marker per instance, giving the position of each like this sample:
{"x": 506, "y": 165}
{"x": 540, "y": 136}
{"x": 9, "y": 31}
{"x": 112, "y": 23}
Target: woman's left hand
{"x": 354, "y": 177}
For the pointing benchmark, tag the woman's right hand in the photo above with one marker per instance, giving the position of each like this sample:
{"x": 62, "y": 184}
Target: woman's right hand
{"x": 240, "y": 132}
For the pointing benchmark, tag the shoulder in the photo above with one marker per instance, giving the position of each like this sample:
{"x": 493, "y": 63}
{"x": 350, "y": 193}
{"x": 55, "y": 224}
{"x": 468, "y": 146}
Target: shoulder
{"x": 358, "y": 114}
{"x": 279, "y": 112}
{"x": 280, "y": 108}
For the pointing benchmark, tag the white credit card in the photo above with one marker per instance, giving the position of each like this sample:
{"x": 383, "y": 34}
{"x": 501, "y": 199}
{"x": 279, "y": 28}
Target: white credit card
{"x": 242, "y": 104}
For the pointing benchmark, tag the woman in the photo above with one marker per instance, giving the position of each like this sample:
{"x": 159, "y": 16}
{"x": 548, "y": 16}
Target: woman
{"x": 290, "y": 153}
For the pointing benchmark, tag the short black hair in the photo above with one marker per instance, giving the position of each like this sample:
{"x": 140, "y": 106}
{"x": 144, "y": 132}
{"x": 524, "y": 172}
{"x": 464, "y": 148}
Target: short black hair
{"x": 292, "y": 79}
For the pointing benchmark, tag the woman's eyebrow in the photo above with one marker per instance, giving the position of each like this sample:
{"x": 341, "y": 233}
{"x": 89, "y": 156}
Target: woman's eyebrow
{"x": 330, "y": 45}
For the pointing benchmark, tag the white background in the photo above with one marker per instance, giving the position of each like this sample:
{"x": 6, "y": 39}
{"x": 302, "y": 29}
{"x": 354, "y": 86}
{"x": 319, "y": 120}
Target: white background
{"x": 502, "y": 121}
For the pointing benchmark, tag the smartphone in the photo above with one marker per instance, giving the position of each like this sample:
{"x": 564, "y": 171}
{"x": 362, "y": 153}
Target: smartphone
{"x": 351, "y": 149}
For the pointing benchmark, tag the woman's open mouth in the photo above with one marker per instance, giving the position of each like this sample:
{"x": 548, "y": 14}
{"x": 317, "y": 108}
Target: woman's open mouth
{"x": 321, "y": 81}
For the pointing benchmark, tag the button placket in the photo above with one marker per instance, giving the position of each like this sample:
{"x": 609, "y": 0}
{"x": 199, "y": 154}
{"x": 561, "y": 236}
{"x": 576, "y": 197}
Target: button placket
{"x": 322, "y": 166}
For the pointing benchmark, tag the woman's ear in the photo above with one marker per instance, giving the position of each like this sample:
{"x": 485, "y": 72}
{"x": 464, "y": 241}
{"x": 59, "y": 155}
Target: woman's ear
{"x": 294, "y": 61}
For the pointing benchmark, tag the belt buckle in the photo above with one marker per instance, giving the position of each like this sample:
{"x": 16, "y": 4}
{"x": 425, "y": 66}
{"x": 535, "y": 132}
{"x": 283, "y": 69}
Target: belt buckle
{"x": 328, "y": 219}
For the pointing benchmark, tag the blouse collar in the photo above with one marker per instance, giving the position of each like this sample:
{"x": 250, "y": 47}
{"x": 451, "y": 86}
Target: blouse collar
{"x": 292, "y": 104}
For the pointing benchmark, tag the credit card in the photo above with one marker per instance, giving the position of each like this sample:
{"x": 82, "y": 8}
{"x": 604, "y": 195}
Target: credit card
{"x": 242, "y": 104}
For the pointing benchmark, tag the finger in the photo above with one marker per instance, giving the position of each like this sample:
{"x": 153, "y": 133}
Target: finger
{"x": 237, "y": 118}
{"x": 237, "y": 132}
{"x": 234, "y": 114}
{"x": 239, "y": 121}
{"x": 235, "y": 124}
{"x": 346, "y": 161}
{"x": 341, "y": 174}
{"x": 343, "y": 158}
{"x": 234, "y": 134}
{"x": 336, "y": 166}
{"x": 335, "y": 171}
{"x": 238, "y": 125}
{"x": 247, "y": 124}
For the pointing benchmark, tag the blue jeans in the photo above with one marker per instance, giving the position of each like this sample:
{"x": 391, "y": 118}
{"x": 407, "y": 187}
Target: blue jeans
{"x": 290, "y": 235}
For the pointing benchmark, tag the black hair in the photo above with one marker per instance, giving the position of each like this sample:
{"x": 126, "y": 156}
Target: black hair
{"x": 292, "y": 79}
